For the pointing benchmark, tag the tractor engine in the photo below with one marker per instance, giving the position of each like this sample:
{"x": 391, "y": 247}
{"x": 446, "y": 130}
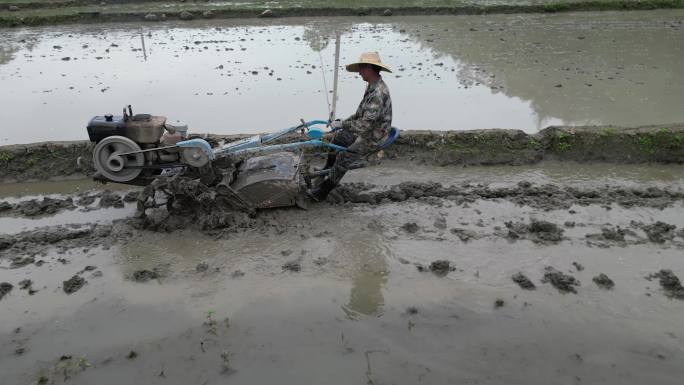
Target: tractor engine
{"x": 129, "y": 144}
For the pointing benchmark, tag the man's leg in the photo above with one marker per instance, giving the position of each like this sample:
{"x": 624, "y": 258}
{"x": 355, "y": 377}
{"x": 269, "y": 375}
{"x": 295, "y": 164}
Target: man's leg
{"x": 343, "y": 162}
{"x": 342, "y": 138}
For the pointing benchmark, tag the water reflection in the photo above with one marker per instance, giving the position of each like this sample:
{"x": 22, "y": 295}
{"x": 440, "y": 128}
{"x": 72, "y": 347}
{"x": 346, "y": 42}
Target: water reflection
{"x": 588, "y": 68}
{"x": 366, "y": 254}
{"x": 232, "y": 76}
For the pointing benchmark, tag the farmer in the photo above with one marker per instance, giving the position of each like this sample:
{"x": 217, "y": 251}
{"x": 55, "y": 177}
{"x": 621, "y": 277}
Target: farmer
{"x": 363, "y": 132}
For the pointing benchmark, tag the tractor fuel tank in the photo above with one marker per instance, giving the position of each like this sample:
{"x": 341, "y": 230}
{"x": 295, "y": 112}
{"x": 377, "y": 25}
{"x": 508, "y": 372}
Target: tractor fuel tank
{"x": 101, "y": 127}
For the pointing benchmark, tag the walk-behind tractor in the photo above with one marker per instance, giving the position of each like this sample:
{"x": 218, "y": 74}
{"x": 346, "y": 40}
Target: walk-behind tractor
{"x": 261, "y": 171}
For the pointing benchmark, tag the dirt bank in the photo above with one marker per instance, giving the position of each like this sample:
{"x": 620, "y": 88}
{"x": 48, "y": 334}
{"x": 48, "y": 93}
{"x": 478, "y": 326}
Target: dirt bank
{"x": 41, "y": 13}
{"x": 657, "y": 143}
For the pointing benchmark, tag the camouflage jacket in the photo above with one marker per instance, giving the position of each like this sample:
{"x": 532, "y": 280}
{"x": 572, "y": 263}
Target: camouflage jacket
{"x": 373, "y": 119}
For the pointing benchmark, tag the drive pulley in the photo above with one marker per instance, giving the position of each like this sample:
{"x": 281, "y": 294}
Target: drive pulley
{"x": 118, "y": 158}
{"x": 194, "y": 156}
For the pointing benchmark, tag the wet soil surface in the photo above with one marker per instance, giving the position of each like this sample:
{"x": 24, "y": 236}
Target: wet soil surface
{"x": 260, "y": 300}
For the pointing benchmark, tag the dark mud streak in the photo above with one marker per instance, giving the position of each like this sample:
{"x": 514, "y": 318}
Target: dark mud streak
{"x": 657, "y": 143}
{"x": 65, "y": 15}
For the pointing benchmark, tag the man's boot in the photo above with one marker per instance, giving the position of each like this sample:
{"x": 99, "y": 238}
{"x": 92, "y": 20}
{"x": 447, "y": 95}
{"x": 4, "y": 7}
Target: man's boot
{"x": 320, "y": 192}
{"x": 330, "y": 161}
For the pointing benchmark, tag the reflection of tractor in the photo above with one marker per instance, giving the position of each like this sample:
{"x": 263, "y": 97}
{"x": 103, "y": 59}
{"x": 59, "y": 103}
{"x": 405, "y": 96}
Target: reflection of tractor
{"x": 261, "y": 171}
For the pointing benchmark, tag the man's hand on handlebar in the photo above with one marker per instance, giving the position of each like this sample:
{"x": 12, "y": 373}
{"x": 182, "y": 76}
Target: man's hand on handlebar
{"x": 336, "y": 125}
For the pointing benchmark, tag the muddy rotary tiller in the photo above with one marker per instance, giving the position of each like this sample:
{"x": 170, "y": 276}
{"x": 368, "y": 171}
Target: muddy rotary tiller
{"x": 262, "y": 170}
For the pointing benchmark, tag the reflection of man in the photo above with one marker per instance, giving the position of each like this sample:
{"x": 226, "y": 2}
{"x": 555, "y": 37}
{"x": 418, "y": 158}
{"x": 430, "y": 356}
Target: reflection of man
{"x": 361, "y": 133}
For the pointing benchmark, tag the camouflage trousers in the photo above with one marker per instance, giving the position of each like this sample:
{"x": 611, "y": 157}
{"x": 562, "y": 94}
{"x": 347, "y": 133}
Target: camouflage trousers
{"x": 344, "y": 161}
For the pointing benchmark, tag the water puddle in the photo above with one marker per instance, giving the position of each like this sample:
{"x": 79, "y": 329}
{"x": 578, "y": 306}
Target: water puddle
{"x": 232, "y": 76}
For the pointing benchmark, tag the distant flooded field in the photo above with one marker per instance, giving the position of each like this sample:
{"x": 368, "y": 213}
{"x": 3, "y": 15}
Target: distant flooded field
{"x": 450, "y": 72}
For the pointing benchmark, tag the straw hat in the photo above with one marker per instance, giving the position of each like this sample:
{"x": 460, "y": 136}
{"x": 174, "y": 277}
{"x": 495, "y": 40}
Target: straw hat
{"x": 368, "y": 58}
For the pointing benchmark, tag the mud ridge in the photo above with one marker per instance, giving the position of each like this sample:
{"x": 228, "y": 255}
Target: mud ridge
{"x": 546, "y": 197}
{"x": 658, "y": 143}
{"x": 50, "y": 206}
{"x": 24, "y": 248}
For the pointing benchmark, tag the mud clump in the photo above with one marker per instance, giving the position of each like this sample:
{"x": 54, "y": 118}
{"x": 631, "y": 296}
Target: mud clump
{"x": 86, "y": 200}
{"x": 145, "y": 275}
{"x": 73, "y": 284}
{"x": 18, "y": 262}
{"x": 131, "y": 196}
{"x": 202, "y": 267}
{"x": 523, "y": 281}
{"x": 109, "y": 199}
{"x": 46, "y": 206}
{"x": 293, "y": 266}
{"x": 463, "y": 234}
{"x": 603, "y": 281}
{"x": 670, "y": 283}
{"x": 440, "y": 223}
{"x": 546, "y": 231}
{"x": 578, "y": 266}
{"x": 6, "y": 242}
{"x": 617, "y": 234}
{"x": 563, "y": 282}
{"x": 659, "y": 232}
{"x": 441, "y": 267}
{"x": 536, "y": 231}
{"x": 5, "y": 288}
{"x": 27, "y": 284}
{"x": 609, "y": 235}
{"x": 191, "y": 203}
{"x": 410, "y": 227}
{"x": 499, "y": 303}
{"x": 237, "y": 274}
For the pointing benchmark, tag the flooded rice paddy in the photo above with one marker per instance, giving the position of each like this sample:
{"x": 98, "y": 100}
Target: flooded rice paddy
{"x": 450, "y": 73}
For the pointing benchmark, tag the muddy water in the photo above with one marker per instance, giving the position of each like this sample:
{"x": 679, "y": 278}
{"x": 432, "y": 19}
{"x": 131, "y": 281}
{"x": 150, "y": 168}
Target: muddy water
{"x": 358, "y": 310}
{"x": 466, "y": 72}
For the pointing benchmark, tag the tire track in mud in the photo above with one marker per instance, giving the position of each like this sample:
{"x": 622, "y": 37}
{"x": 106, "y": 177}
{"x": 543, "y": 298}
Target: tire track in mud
{"x": 192, "y": 215}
